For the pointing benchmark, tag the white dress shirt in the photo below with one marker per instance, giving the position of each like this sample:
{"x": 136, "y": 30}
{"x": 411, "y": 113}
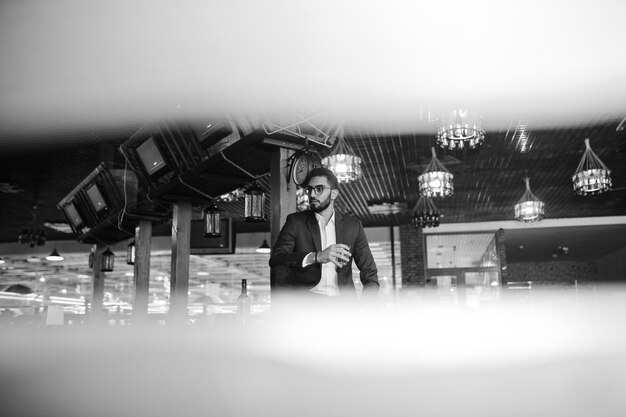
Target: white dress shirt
{"x": 328, "y": 284}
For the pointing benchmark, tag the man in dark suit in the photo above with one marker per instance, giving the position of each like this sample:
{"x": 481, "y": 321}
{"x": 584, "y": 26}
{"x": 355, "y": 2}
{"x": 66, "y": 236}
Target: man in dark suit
{"x": 315, "y": 248}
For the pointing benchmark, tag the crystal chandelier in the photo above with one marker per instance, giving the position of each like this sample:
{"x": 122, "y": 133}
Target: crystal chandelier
{"x": 436, "y": 180}
{"x": 34, "y": 235}
{"x": 425, "y": 213}
{"x": 343, "y": 163}
{"x": 529, "y": 208}
{"x": 461, "y": 129}
{"x": 592, "y": 176}
{"x": 302, "y": 200}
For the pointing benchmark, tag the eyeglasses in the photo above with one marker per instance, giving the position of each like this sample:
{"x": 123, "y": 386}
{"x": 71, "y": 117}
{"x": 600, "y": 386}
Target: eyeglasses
{"x": 319, "y": 189}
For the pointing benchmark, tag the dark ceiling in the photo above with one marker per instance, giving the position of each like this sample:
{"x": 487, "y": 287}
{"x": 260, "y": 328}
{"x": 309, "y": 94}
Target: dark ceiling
{"x": 40, "y": 169}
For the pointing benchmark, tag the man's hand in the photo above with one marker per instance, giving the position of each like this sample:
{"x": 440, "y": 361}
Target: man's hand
{"x": 339, "y": 254}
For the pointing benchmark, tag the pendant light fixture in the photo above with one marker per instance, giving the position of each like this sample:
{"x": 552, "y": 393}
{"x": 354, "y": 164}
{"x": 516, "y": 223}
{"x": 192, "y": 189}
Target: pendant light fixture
{"x": 254, "y": 197}
{"x": 211, "y": 215}
{"x": 108, "y": 261}
{"x": 529, "y": 208}
{"x": 592, "y": 176}
{"x": 343, "y": 162}
{"x": 254, "y": 204}
{"x": 436, "y": 180}
{"x": 460, "y": 130}
{"x": 425, "y": 213}
{"x": 131, "y": 251}
{"x": 264, "y": 248}
{"x": 54, "y": 256}
{"x": 212, "y": 221}
{"x": 302, "y": 200}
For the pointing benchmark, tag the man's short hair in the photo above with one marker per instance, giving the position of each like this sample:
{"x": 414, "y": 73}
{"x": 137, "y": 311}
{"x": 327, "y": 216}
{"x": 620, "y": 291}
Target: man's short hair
{"x": 325, "y": 172}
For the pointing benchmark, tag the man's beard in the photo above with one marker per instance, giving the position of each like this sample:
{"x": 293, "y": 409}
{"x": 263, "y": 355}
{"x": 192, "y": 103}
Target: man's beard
{"x": 320, "y": 205}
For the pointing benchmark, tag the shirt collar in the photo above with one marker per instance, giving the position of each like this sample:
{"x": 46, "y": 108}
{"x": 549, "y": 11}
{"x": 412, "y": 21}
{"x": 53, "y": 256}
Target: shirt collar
{"x": 320, "y": 219}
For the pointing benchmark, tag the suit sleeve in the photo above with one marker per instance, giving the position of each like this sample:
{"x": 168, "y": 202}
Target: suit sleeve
{"x": 283, "y": 250}
{"x": 365, "y": 261}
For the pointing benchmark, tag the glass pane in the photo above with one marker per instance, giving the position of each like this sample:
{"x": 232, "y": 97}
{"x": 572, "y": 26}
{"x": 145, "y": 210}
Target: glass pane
{"x": 445, "y": 288}
{"x": 482, "y": 287}
{"x": 461, "y": 250}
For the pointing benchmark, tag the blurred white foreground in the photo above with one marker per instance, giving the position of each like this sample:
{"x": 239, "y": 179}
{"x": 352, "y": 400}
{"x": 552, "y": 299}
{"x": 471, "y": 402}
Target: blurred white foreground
{"x": 70, "y": 63}
{"x": 549, "y": 356}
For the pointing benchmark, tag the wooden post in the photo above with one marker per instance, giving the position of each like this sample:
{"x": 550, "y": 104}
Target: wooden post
{"x": 143, "y": 236}
{"x": 283, "y": 196}
{"x": 181, "y": 235}
{"x": 283, "y": 191}
{"x": 97, "y": 294}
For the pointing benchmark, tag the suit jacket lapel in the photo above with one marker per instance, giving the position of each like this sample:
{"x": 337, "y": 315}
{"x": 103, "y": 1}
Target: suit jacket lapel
{"x": 339, "y": 229}
{"x": 314, "y": 229}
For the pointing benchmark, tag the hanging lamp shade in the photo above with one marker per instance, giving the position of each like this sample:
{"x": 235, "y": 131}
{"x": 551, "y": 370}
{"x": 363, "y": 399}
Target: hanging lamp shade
{"x": 343, "y": 162}
{"x": 131, "y": 251}
{"x": 425, "y": 213}
{"x": 264, "y": 248}
{"x": 436, "y": 180}
{"x": 529, "y": 208}
{"x": 591, "y": 176}
{"x": 108, "y": 261}
{"x": 254, "y": 204}
{"x": 54, "y": 256}
{"x": 212, "y": 221}
{"x": 461, "y": 129}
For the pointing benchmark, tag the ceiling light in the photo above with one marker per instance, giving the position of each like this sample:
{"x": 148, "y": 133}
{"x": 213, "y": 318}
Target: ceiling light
{"x": 386, "y": 207}
{"x": 302, "y": 200}
{"x": 529, "y": 208}
{"x": 254, "y": 204}
{"x": 592, "y": 176}
{"x": 59, "y": 227}
{"x": 32, "y": 237}
{"x": 343, "y": 163}
{"x": 459, "y": 130}
{"x": 425, "y": 213}
{"x": 212, "y": 221}
{"x": 264, "y": 248}
{"x": 436, "y": 180}
{"x": 54, "y": 256}
{"x": 131, "y": 252}
{"x": 108, "y": 261}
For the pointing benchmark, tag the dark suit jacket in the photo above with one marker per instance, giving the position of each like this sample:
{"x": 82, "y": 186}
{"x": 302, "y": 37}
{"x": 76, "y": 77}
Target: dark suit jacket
{"x": 301, "y": 235}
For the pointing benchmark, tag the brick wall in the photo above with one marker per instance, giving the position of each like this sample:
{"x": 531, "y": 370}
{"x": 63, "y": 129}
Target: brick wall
{"x": 551, "y": 273}
{"x": 612, "y": 267}
{"x": 412, "y": 255}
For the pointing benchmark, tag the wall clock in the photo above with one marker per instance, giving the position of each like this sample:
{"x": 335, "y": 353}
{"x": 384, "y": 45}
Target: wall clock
{"x": 302, "y": 165}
